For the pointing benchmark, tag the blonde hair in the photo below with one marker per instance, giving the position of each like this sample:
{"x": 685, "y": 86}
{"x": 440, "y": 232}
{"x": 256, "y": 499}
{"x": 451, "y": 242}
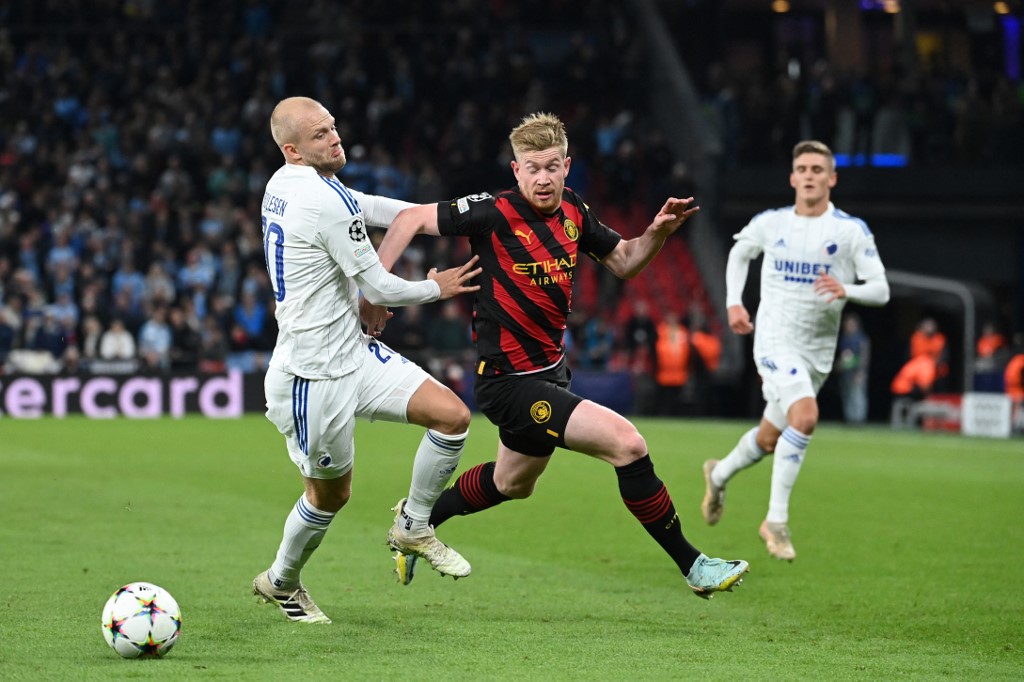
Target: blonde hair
{"x": 537, "y": 132}
{"x": 815, "y": 147}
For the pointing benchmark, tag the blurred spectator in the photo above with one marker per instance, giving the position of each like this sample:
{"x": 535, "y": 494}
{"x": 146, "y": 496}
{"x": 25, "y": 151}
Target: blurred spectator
{"x": 640, "y": 332}
{"x": 704, "y": 364}
{"x": 1014, "y": 374}
{"x": 185, "y": 341}
{"x": 854, "y": 355}
{"x": 928, "y": 340}
{"x": 213, "y": 348}
{"x": 155, "y": 340}
{"x": 597, "y": 341}
{"x": 251, "y": 316}
{"x": 407, "y": 332}
{"x": 449, "y": 333}
{"x": 158, "y": 286}
{"x": 639, "y": 337}
{"x": 50, "y": 337}
{"x": 117, "y": 342}
{"x": 129, "y": 282}
{"x": 89, "y": 336}
{"x": 8, "y": 335}
{"x": 990, "y": 345}
{"x": 673, "y": 363}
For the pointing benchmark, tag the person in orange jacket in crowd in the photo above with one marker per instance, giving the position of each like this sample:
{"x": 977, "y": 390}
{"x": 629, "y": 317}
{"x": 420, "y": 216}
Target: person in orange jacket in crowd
{"x": 705, "y": 358}
{"x": 916, "y": 378}
{"x": 928, "y": 340}
{"x": 990, "y": 341}
{"x": 672, "y": 350}
{"x": 1013, "y": 376}
{"x": 708, "y": 347}
{"x": 926, "y": 365}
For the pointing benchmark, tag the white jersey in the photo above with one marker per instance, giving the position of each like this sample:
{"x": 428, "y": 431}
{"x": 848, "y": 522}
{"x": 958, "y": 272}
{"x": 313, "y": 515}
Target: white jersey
{"x": 791, "y": 317}
{"x": 315, "y": 242}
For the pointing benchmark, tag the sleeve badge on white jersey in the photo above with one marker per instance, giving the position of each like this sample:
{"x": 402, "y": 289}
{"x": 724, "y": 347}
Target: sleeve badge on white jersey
{"x": 356, "y": 231}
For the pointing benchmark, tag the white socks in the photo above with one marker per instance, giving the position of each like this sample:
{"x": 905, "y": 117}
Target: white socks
{"x": 303, "y": 532}
{"x": 436, "y": 460}
{"x": 745, "y": 454}
{"x": 789, "y": 455}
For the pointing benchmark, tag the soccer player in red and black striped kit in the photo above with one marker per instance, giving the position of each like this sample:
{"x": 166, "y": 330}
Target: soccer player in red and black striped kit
{"x": 528, "y": 240}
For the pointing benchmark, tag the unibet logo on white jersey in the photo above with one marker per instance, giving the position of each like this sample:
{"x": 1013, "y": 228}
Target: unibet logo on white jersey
{"x": 315, "y": 240}
{"x": 792, "y": 318}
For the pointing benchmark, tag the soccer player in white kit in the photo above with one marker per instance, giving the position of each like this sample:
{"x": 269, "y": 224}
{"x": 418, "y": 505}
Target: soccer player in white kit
{"x": 814, "y": 254}
{"x": 325, "y": 371}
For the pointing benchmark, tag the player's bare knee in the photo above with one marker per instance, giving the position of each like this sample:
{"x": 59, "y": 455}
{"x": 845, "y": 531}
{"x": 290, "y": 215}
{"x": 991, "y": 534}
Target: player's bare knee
{"x": 630, "y": 447}
{"x": 635, "y": 445}
{"x": 805, "y": 422}
{"x": 516, "y": 489}
{"x": 331, "y": 501}
{"x": 453, "y": 419}
{"x": 766, "y": 442}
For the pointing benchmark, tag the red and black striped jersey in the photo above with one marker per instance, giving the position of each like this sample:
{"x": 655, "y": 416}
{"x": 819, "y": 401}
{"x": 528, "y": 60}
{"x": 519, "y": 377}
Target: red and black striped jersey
{"x": 528, "y": 261}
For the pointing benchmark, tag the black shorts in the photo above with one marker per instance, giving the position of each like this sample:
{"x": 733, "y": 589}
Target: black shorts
{"x": 530, "y": 410}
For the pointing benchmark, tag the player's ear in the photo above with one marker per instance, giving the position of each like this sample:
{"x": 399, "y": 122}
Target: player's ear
{"x": 568, "y": 161}
{"x": 833, "y": 179}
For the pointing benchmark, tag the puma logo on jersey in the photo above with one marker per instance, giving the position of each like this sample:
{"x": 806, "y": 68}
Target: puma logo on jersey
{"x": 524, "y": 235}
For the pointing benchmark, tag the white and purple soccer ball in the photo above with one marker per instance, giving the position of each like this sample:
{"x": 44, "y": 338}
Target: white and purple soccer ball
{"x": 141, "y": 620}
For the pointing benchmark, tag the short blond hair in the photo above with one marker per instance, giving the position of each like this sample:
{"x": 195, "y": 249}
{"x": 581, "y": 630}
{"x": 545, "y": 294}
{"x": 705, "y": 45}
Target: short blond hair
{"x": 815, "y": 147}
{"x": 537, "y": 132}
{"x": 286, "y": 121}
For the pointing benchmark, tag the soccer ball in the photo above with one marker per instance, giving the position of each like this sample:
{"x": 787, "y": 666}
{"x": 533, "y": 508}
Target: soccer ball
{"x": 141, "y": 620}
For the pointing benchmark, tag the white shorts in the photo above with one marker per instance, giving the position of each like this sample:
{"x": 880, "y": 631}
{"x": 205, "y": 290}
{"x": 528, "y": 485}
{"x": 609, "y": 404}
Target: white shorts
{"x": 786, "y": 378}
{"x": 317, "y": 416}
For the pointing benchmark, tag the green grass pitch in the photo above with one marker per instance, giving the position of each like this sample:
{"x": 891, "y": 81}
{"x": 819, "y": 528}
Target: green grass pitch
{"x": 910, "y": 561}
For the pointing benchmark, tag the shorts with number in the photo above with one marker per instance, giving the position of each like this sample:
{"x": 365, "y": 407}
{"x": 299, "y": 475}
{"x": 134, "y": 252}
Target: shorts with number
{"x": 530, "y": 410}
{"x": 786, "y": 378}
{"x": 317, "y": 416}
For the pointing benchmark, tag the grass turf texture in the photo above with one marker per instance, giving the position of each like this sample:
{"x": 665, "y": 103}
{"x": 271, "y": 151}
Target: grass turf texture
{"x": 910, "y": 553}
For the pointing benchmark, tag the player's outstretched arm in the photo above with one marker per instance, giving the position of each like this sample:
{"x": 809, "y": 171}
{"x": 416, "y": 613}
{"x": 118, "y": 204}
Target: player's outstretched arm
{"x": 407, "y": 224}
{"x": 420, "y": 219}
{"x": 631, "y": 256}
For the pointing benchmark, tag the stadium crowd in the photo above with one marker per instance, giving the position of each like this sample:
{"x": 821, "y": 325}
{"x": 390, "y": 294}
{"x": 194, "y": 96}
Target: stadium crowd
{"x": 134, "y": 149}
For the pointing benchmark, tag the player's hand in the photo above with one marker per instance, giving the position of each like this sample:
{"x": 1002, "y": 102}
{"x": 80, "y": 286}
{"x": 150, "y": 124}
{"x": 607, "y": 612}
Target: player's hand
{"x": 454, "y": 280}
{"x": 829, "y": 287}
{"x": 375, "y": 317}
{"x": 739, "y": 320}
{"x": 673, "y": 214}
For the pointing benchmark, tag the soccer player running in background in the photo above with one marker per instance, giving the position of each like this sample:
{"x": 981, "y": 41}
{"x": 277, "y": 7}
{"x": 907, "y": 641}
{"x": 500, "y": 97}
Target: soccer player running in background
{"x": 528, "y": 240}
{"x": 813, "y": 255}
{"x": 325, "y": 371}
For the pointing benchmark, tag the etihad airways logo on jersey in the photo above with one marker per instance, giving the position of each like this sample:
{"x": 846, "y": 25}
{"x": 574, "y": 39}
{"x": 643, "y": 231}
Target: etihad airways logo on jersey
{"x": 549, "y": 271}
{"x": 800, "y": 271}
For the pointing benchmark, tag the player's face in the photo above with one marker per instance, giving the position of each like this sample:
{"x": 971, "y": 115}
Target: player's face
{"x": 812, "y": 178}
{"x": 319, "y": 143}
{"x": 541, "y": 177}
